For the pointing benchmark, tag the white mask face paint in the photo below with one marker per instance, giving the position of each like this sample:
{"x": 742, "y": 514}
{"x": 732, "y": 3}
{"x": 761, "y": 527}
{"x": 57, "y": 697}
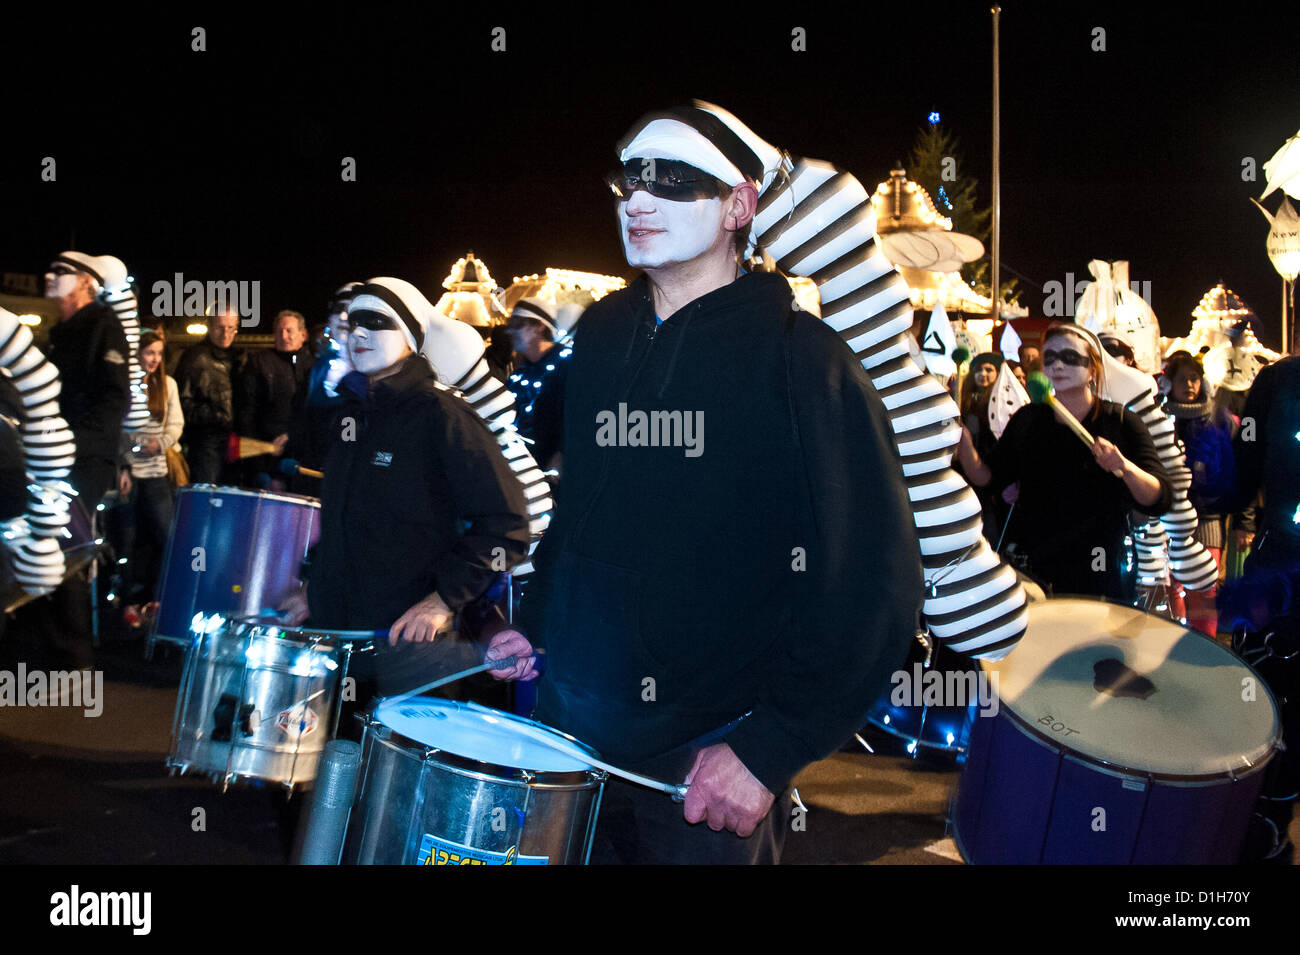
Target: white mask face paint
{"x": 338, "y": 329}
{"x": 1063, "y": 376}
{"x": 659, "y": 232}
{"x": 60, "y": 286}
{"x": 373, "y": 351}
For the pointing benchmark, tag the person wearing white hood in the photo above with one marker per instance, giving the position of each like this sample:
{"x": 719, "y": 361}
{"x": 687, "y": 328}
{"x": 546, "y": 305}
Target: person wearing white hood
{"x": 410, "y": 465}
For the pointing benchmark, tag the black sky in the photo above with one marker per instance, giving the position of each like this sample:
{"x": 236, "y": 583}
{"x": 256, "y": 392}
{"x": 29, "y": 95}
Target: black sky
{"x": 226, "y": 164}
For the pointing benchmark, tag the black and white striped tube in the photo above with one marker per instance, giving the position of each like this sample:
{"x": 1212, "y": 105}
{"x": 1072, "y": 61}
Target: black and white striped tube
{"x": 1190, "y": 563}
{"x": 49, "y": 451}
{"x": 1151, "y": 544}
{"x": 456, "y": 352}
{"x": 117, "y": 295}
{"x": 817, "y": 222}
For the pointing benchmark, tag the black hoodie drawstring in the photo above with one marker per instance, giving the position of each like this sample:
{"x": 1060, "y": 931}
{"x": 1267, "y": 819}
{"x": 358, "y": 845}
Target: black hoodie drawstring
{"x": 672, "y": 361}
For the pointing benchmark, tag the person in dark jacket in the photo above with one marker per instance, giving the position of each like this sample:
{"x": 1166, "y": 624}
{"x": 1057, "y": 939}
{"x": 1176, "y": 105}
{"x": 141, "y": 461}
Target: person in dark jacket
{"x": 270, "y": 391}
{"x": 205, "y": 376}
{"x": 310, "y": 438}
{"x": 538, "y": 378}
{"x": 732, "y": 572}
{"x": 90, "y": 350}
{"x": 1071, "y": 511}
{"x": 1263, "y": 607}
{"x": 419, "y": 509}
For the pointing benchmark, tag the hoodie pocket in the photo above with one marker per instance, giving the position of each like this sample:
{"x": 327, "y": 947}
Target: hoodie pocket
{"x": 594, "y": 643}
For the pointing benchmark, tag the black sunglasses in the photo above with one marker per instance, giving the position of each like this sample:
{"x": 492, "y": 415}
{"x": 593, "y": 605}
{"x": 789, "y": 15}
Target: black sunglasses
{"x": 371, "y": 320}
{"x": 669, "y": 179}
{"x": 1066, "y": 355}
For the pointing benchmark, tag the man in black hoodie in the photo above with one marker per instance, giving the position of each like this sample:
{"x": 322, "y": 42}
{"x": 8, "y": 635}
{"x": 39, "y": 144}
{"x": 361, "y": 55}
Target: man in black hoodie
{"x": 732, "y": 572}
{"x": 89, "y": 348}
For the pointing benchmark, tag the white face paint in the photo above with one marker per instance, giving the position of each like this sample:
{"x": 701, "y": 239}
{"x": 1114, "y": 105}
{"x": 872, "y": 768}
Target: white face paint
{"x": 372, "y": 351}
{"x": 1063, "y": 376}
{"x": 338, "y": 328}
{"x": 660, "y": 232}
{"x": 60, "y": 286}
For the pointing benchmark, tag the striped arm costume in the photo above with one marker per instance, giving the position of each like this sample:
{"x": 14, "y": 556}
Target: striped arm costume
{"x": 48, "y": 451}
{"x": 1191, "y": 564}
{"x": 816, "y": 221}
{"x": 456, "y": 352}
{"x": 118, "y": 296}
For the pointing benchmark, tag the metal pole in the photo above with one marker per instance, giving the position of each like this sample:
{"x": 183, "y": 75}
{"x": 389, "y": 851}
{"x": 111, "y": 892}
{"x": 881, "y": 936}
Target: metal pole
{"x": 996, "y": 10}
{"x": 1285, "y": 350}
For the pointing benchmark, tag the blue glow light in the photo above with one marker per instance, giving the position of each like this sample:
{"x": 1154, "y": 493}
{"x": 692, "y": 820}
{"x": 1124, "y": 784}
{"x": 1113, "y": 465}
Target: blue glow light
{"x": 933, "y": 117}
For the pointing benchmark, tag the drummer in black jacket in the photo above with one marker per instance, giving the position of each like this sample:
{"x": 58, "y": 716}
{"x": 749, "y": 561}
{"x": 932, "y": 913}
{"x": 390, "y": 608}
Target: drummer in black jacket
{"x": 419, "y": 508}
{"x": 732, "y": 571}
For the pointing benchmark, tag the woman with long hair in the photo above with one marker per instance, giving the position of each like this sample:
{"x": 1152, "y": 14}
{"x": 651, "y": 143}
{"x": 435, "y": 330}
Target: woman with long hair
{"x": 1206, "y": 431}
{"x": 976, "y": 388}
{"x": 144, "y": 485}
{"x": 1071, "y": 514}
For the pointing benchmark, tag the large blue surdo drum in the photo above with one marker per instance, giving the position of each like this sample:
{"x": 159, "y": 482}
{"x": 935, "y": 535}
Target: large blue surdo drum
{"x": 231, "y": 551}
{"x": 1120, "y": 738}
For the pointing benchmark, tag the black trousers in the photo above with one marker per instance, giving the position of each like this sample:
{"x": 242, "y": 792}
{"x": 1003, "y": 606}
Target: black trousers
{"x": 205, "y": 453}
{"x": 61, "y": 622}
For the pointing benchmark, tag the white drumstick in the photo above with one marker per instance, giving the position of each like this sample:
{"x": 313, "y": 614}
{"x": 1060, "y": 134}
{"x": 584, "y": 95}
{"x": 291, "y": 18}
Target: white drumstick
{"x": 546, "y": 735}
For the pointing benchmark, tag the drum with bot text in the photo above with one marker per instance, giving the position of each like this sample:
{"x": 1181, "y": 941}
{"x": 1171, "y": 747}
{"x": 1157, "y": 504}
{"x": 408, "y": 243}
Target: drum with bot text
{"x": 1120, "y": 738}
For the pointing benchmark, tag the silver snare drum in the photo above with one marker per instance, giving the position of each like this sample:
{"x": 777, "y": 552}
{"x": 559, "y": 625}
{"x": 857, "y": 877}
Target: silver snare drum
{"x": 448, "y": 783}
{"x": 256, "y": 701}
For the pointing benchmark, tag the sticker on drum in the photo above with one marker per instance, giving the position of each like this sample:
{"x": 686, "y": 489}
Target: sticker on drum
{"x": 435, "y": 851}
{"x": 474, "y": 732}
{"x": 449, "y": 783}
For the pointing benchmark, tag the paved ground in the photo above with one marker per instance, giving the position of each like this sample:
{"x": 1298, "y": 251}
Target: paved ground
{"x": 78, "y": 790}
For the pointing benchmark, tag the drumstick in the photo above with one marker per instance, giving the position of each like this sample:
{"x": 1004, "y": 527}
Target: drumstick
{"x": 1040, "y": 392}
{"x": 545, "y": 734}
{"x": 239, "y": 448}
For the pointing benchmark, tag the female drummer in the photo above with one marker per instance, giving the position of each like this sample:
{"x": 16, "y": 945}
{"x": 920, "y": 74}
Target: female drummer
{"x": 144, "y": 484}
{"x": 1071, "y": 514}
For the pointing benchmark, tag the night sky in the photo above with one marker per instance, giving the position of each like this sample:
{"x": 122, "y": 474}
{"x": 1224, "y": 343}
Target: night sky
{"x": 226, "y": 164}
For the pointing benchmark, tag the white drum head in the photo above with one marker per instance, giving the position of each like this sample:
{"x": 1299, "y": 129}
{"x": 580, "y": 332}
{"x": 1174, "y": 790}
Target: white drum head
{"x": 478, "y": 733}
{"x": 1135, "y": 691}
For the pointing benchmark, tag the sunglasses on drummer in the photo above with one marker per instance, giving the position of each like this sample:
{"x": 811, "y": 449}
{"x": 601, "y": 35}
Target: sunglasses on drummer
{"x": 371, "y": 320}
{"x": 1066, "y": 355}
{"x": 60, "y": 269}
{"x": 669, "y": 179}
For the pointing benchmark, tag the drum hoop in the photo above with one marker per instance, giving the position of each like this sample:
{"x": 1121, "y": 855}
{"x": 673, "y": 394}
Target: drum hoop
{"x": 1124, "y": 770}
{"x": 260, "y": 495}
{"x": 480, "y": 769}
{"x": 1275, "y": 734}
